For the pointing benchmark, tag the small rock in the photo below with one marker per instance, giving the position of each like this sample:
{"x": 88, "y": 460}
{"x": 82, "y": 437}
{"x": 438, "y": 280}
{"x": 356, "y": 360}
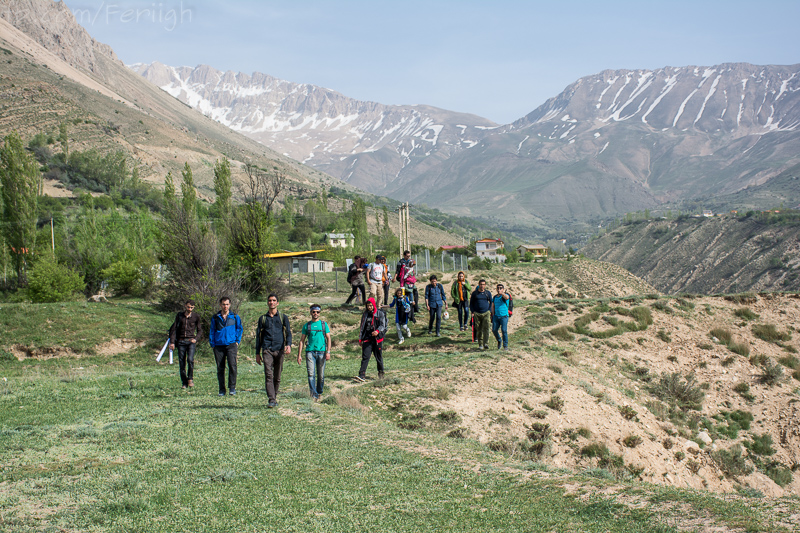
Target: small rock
{"x": 692, "y": 447}
{"x": 703, "y": 436}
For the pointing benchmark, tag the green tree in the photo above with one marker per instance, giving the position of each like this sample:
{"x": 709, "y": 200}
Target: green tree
{"x": 169, "y": 191}
{"x": 22, "y": 185}
{"x": 222, "y": 187}
{"x": 188, "y": 192}
{"x": 63, "y": 138}
{"x": 358, "y": 221}
{"x": 52, "y": 282}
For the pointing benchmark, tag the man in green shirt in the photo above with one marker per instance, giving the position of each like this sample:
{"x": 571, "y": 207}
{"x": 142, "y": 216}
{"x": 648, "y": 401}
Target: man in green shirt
{"x": 318, "y": 350}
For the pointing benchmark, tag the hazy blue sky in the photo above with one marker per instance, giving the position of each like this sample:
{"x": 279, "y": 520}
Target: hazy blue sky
{"x": 499, "y": 59}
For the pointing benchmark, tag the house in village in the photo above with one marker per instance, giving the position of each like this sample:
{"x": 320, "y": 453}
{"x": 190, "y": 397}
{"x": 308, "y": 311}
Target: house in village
{"x": 539, "y": 251}
{"x": 295, "y": 262}
{"x": 488, "y": 248}
{"x": 340, "y": 240}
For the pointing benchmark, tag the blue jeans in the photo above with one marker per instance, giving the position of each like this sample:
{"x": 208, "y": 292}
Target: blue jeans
{"x": 315, "y": 361}
{"x": 499, "y": 322}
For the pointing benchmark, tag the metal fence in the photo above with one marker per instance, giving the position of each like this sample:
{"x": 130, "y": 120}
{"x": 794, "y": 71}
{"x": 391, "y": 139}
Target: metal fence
{"x": 336, "y": 282}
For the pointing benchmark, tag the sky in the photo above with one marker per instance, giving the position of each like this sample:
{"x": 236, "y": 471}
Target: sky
{"x": 498, "y": 59}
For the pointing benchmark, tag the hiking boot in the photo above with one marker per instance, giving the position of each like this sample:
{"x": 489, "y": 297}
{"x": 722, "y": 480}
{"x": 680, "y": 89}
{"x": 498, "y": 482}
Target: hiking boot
{"x": 499, "y": 345}
{"x": 191, "y": 383}
{"x": 380, "y": 375}
{"x": 271, "y": 404}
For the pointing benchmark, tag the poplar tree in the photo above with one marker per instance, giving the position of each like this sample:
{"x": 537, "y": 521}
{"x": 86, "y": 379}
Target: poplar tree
{"x": 188, "y": 191}
{"x": 222, "y": 187}
{"x": 22, "y": 185}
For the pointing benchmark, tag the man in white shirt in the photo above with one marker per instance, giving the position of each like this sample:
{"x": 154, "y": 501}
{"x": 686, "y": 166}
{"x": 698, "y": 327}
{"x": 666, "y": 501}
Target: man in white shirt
{"x": 375, "y": 274}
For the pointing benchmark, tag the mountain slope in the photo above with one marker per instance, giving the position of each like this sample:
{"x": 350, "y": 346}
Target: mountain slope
{"x": 707, "y": 255}
{"x": 614, "y": 142}
{"x": 373, "y": 146}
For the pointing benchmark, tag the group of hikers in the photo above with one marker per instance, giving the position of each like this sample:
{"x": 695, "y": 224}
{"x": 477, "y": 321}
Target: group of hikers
{"x": 274, "y": 333}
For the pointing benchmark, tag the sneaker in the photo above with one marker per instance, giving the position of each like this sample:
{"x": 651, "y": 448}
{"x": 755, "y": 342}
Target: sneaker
{"x": 430, "y": 332}
{"x": 183, "y": 386}
{"x": 380, "y": 375}
{"x": 360, "y": 379}
{"x": 191, "y": 383}
{"x": 222, "y": 393}
{"x": 485, "y": 346}
{"x": 233, "y": 392}
{"x": 408, "y": 333}
{"x": 438, "y": 334}
{"x": 271, "y": 404}
{"x": 400, "y": 342}
{"x": 499, "y": 345}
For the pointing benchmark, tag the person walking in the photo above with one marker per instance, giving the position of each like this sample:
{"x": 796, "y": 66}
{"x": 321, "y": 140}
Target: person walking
{"x": 318, "y": 350}
{"x": 355, "y": 277}
{"x": 372, "y": 331}
{"x": 185, "y": 332}
{"x": 405, "y": 276}
{"x": 375, "y": 272}
{"x": 387, "y": 281}
{"x": 460, "y": 293}
{"x": 402, "y": 305}
{"x": 274, "y": 341}
{"x": 500, "y": 316}
{"x": 480, "y": 304}
{"x": 436, "y": 303}
{"x": 224, "y": 336}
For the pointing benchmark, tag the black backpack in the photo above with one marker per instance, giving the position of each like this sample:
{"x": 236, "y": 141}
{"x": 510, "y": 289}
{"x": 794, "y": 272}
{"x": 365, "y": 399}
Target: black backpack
{"x": 351, "y": 272}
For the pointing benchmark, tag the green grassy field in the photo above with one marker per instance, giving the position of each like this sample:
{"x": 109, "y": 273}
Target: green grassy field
{"x": 111, "y": 443}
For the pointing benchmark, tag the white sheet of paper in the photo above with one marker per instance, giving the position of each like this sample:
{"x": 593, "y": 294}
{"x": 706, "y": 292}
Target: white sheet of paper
{"x": 170, "y": 357}
{"x": 161, "y": 353}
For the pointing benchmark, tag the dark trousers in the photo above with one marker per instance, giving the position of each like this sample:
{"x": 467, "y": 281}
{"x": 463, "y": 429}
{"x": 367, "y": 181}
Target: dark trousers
{"x": 186, "y": 355}
{"x": 368, "y": 348}
{"x": 435, "y": 313}
{"x": 386, "y": 287}
{"x": 463, "y": 314}
{"x": 273, "y": 367}
{"x": 222, "y": 355}
{"x": 356, "y": 289}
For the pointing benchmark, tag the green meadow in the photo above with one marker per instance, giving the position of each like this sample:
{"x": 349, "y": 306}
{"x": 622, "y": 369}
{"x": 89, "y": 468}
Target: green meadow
{"x": 91, "y": 441}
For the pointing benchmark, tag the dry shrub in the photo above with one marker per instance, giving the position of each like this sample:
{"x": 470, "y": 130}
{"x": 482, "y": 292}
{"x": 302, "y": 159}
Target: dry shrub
{"x": 348, "y": 400}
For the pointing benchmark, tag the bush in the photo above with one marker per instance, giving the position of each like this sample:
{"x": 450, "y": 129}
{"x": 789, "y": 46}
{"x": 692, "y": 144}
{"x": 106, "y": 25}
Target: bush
{"x": 769, "y": 333}
{"x": 673, "y": 389}
{"x": 760, "y": 445}
{"x": 50, "y": 282}
{"x": 627, "y": 412}
{"x": 789, "y": 361}
{"x": 562, "y": 333}
{"x": 743, "y": 390}
{"x": 724, "y": 336}
{"x": 745, "y": 313}
{"x": 772, "y": 375}
{"x": 732, "y": 462}
{"x": 555, "y": 403}
{"x": 778, "y": 473}
{"x": 632, "y": 441}
{"x": 137, "y": 277}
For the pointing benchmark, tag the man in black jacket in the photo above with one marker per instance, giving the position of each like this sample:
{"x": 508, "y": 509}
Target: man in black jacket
{"x": 274, "y": 339}
{"x": 371, "y": 334}
{"x": 184, "y": 332}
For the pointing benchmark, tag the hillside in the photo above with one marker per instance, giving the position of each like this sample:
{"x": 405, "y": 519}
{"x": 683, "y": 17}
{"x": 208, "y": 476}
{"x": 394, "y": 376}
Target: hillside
{"x": 52, "y": 72}
{"x": 707, "y": 255}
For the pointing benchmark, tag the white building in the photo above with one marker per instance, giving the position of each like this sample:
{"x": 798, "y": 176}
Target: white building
{"x": 487, "y": 248}
{"x": 340, "y": 240}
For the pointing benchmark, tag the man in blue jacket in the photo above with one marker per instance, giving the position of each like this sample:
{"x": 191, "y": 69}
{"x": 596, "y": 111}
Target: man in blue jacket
{"x": 224, "y": 336}
{"x": 436, "y": 303}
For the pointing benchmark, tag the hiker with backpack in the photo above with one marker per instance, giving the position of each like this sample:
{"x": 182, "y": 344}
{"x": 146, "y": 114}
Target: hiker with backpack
{"x": 387, "y": 280}
{"x": 274, "y": 340}
{"x": 480, "y": 304}
{"x": 185, "y": 332}
{"x": 460, "y": 292}
{"x": 225, "y": 336}
{"x": 318, "y": 350}
{"x": 402, "y": 305}
{"x": 436, "y": 303}
{"x": 355, "y": 278}
{"x": 501, "y": 311}
{"x": 375, "y": 273}
{"x": 371, "y": 333}
{"x": 405, "y": 275}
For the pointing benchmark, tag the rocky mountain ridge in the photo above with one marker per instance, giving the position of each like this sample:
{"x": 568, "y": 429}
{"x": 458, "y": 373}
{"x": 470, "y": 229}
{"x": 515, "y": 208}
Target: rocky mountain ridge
{"x": 370, "y": 145}
{"x": 614, "y": 142}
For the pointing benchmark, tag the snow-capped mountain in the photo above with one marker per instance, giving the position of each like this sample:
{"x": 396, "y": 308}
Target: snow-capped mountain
{"x": 614, "y": 142}
{"x": 372, "y": 146}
